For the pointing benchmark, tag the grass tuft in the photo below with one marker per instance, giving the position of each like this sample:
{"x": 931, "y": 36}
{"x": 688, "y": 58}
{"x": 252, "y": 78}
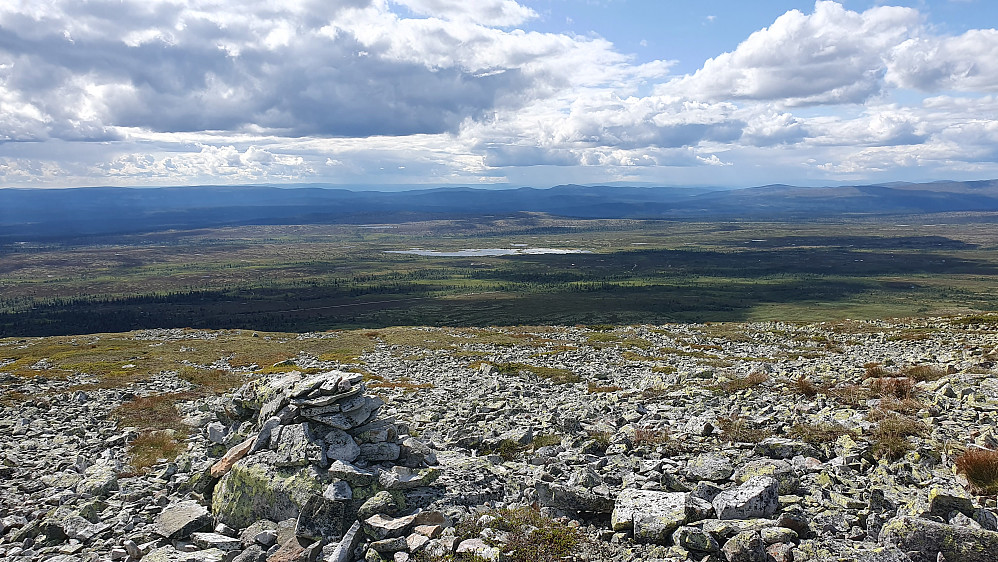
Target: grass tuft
{"x": 805, "y": 387}
{"x": 980, "y": 466}
{"x": 901, "y": 388}
{"x": 819, "y": 433}
{"x": 890, "y": 436}
{"x": 593, "y": 388}
{"x": 152, "y": 447}
{"x": 754, "y": 378}
{"x": 651, "y": 436}
{"x": 737, "y": 429}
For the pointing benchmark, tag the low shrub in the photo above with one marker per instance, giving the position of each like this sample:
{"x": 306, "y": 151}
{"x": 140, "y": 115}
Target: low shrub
{"x": 151, "y": 447}
{"x": 528, "y": 536}
{"x": 922, "y": 373}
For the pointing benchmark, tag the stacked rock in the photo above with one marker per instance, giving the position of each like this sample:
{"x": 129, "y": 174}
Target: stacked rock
{"x": 321, "y": 458}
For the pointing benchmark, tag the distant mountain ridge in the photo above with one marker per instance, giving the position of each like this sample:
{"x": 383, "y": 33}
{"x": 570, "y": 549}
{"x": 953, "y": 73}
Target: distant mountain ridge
{"x": 29, "y": 214}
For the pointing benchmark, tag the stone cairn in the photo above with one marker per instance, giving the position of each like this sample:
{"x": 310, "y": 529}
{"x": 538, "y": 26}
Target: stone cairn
{"x": 320, "y": 476}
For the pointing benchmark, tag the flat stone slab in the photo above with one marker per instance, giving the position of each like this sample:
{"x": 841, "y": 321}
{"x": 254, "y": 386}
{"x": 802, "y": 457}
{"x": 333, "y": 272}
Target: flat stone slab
{"x": 758, "y": 497}
{"x": 181, "y": 519}
{"x": 215, "y": 540}
{"x": 653, "y": 515}
{"x": 924, "y": 540}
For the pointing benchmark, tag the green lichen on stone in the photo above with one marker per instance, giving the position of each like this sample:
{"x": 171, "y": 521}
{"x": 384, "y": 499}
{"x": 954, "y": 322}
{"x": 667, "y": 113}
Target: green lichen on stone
{"x": 254, "y": 490}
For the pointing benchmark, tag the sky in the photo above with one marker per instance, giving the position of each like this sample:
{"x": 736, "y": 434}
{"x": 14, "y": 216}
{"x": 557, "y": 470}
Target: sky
{"x": 395, "y": 93}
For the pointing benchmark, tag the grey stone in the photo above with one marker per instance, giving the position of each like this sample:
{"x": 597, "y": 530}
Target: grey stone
{"x": 653, "y": 515}
{"x": 479, "y": 548}
{"x": 170, "y": 554}
{"x": 923, "y": 540}
{"x": 404, "y": 478}
{"x": 252, "y": 553}
{"x": 378, "y": 431}
{"x": 296, "y": 446}
{"x": 376, "y": 452}
{"x": 216, "y": 540}
{"x": 695, "y": 538}
{"x": 347, "y": 545}
{"x": 340, "y": 446}
{"x": 250, "y": 534}
{"x": 380, "y": 526}
{"x": 217, "y": 432}
{"x": 781, "y": 448}
{"x": 746, "y": 546}
{"x": 181, "y": 519}
{"x": 572, "y": 498}
{"x": 710, "y": 466}
{"x": 416, "y": 453}
{"x": 338, "y": 491}
{"x": 389, "y": 545}
{"x": 758, "y": 497}
{"x": 320, "y": 517}
{"x": 382, "y": 502}
{"x": 352, "y": 474}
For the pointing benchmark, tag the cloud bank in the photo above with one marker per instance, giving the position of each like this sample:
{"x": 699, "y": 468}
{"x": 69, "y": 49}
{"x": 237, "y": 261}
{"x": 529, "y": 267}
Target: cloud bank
{"x": 137, "y": 92}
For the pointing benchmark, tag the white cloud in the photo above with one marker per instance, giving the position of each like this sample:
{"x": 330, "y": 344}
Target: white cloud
{"x": 358, "y": 91}
{"x": 830, "y": 56}
{"x": 966, "y": 62}
{"x": 488, "y": 12}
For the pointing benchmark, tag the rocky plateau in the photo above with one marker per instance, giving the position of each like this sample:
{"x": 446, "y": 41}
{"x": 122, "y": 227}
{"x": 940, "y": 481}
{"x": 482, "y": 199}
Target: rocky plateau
{"x": 709, "y": 442}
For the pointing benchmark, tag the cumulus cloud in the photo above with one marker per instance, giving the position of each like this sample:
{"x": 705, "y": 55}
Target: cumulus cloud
{"x": 832, "y": 55}
{"x": 966, "y": 62}
{"x": 344, "y": 68}
{"x": 225, "y": 162}
{"x": 768, "y": 129}
{"x": 490, "y": 12}
{"x": 448, "y": 91}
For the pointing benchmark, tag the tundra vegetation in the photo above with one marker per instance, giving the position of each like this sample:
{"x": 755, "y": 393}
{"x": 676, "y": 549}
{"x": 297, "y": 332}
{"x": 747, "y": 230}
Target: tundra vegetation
{"x": 319, "y": 277}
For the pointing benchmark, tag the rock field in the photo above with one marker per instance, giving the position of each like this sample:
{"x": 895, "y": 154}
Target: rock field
{"x": 724, "y": 442}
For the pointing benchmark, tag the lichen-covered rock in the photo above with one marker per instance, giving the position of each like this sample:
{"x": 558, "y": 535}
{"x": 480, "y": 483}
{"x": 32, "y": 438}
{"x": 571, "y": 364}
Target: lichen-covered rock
{"x": 924, "y": 540}
{"x": 710, "y": 466}
{"x": 746, "y": 546}
{"x": 652, "y": 515}
{"x": 100, "y": 479}
{"x": 779, "y": 469}
{"x": 781, "y": 448}
{"x": 758, "y": 497}
{"x": 694, "y": 538}
{"x": 942, "y": 501}
{"x": 321, "y": 517}
{"x": 255, "y": 489}
{"x": 572, "y": 498}
{"x": 296, "y": 446}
